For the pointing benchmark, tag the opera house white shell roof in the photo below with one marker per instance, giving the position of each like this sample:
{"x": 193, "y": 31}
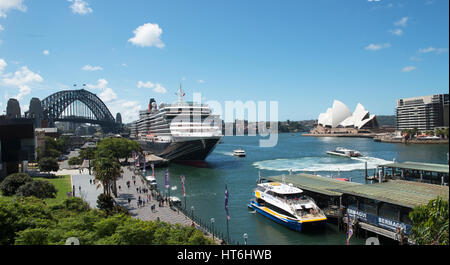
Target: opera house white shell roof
{"x": 340, "y": 116}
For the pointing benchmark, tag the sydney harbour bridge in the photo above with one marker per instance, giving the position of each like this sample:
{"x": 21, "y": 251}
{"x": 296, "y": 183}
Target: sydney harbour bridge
{"x": 76, "y": 106}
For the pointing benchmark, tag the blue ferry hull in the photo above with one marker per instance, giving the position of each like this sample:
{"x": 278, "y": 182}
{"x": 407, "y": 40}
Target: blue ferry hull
{"x": 294, "y": 225}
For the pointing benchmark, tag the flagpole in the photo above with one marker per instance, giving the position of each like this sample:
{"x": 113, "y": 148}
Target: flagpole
{"x": 228, "y": 233}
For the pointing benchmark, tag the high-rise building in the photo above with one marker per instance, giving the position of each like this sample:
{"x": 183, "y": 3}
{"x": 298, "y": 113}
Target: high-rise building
{"x": 423, "y": 113}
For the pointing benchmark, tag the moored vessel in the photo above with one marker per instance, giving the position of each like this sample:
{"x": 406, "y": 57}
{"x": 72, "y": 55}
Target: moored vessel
{"x": 182, "y": 131}
{"x": 286, "y": 205}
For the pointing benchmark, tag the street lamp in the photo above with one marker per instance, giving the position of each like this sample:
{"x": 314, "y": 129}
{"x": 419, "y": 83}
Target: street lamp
{"x": 245, "y": 238}
{"x": 212, "y": 226}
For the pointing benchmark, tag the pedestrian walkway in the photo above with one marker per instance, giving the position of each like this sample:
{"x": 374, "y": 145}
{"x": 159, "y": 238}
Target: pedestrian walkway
{"x": 85, "y": 189}
{"x": 165, "y": 213}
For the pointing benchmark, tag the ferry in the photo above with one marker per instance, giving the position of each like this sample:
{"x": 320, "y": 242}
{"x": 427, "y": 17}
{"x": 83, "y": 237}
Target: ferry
{"x": 340, "y": 151}
{"x": 286, "y": 205}
{"x": 239, "y": 153}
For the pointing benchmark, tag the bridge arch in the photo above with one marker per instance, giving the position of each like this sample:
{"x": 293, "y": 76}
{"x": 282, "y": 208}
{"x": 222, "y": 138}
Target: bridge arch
{"x": 56, "y": 104}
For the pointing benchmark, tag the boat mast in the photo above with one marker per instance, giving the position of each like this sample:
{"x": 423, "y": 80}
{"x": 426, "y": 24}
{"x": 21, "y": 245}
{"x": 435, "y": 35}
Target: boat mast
{"x": 180, "y": 95}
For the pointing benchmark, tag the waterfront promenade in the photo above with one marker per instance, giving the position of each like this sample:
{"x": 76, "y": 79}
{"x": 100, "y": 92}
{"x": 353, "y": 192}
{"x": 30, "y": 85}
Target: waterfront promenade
{"x": 164, "y": 213}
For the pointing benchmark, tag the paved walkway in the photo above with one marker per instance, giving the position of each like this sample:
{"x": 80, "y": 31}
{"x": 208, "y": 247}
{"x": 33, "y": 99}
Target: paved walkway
{"x": 85, "y": 190}
{"x": 165, "y": 213}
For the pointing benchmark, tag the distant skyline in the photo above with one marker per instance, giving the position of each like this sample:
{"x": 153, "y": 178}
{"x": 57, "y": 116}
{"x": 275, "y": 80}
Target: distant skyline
{"x": 303, "y": 54}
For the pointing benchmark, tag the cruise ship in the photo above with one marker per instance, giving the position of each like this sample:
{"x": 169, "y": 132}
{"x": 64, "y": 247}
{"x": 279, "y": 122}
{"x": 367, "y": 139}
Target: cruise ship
{"x": 182, "y": 131}
{"x": 286, "y": 205}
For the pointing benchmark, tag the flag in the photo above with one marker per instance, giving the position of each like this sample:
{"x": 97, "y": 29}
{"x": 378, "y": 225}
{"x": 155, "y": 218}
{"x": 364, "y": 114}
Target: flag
{"x": 349, "y": 228}
{"x": 167, "y": 178}
{"x": 153, "y": 170}
{"x": 182, "y": 183}
{"x": 226, "y": 202}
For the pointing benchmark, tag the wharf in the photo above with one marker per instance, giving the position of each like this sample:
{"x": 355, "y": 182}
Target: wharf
{"x": 379, "y": 208}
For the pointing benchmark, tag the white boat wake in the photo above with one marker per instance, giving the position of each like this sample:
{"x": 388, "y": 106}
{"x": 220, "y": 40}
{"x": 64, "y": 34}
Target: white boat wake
{"x": 316, "y": 164}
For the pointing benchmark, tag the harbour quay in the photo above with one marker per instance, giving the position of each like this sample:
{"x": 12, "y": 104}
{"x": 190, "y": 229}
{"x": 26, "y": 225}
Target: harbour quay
{"x": 378, "y": 209}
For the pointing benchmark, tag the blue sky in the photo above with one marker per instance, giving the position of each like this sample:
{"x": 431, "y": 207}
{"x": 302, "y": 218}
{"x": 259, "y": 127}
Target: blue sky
{"x": 303, "y": 54}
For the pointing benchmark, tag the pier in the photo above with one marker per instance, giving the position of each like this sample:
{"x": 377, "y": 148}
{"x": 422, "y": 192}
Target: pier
{"x": 381, "y": 208}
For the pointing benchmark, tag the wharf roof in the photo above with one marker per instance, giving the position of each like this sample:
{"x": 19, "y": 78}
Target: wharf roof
{"x": 441, "y": 168}
{"x": 399, "y": 192}
{"x": 315, "y": 183}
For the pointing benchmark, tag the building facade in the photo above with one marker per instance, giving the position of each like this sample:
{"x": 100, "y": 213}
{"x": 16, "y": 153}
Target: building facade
{"x": 423, "y": 113}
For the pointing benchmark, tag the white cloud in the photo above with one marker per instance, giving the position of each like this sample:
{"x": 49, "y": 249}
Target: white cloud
{"x": 6, "y": 5}
{"x": 46, "y": 52}
{"x": 433, "y": 49}
{"x": 107, "y": 95}
{"x": 408, "y": 68}
{"x": 80, "y": 7}
{"x": 101, "y": 84}
{"x": 376, "y": 47}
{"x": 91, "y": 68}
{"x": 158, "y": 88}
{"x": 1, "y": 28}
{"x": 3, "y": 65}
{"x": 373, "y": 0}
{"x": 201, "y": 81}
{"x": 396, "y": 32}
{"x": 402, "y": 22}
{"x": 22, "y": 79}
{"x": 128, "y": 109}
{"x": 147, "y": 35}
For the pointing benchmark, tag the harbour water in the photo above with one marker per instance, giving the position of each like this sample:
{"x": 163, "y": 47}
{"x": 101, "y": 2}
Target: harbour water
{"x": 205, "y": 184}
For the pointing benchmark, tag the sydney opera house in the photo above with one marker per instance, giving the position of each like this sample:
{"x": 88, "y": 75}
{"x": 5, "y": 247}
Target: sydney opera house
{"x": 339, "y": 119}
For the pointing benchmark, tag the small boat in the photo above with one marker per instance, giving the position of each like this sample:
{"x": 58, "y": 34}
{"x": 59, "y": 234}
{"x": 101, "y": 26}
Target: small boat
{"x": 152, "y": 182}
{"x": 175, "y": 201}
{"x": 342, "y": 179}
{"x": 340, "y": 151}
{"x": 286, "y": 205}
{"x": 239, "y": 153}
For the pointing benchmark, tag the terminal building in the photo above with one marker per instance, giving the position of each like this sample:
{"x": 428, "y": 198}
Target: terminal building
{"x": 423, "y": 113}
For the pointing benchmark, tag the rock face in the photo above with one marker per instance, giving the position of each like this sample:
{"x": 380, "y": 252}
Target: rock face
{"x": 36, "y": 112}
{"x": 13, "y": 109}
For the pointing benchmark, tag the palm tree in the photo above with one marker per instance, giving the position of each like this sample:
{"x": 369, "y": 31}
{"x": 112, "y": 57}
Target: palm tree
{"x": 107, "y": 170}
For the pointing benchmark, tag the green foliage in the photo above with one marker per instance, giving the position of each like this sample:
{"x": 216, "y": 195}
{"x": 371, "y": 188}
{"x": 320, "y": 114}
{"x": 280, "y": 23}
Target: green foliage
{"x": 28, "y": 221}
{"x": 74, "y": 161}
{"x": 21, "y": 214}
{"x": 32, "y": 236}
{"x": 430, "y": 223}
{"x": 47, "y": 164}
{"x": 38, "y": 188}
{"x": 118, "y": 148}
{"x": 88, "y": 153}
{"x": 12, "y": 182}
{"x": 105, "y": 202}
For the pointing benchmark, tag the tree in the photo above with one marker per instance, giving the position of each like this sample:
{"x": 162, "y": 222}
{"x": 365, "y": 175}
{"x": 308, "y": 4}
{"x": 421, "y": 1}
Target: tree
{"x": 38, "y": 188}
{"x": 88, "y": 154}
{"x": 430, "y": 223}
{"x": 52, "y": 148}
{"x": 105, "y": 202}
{"x": 107, "y": 170}
{"x": 47, "y": 164}
{"x": 12, "y": 182}
{"x": 32, "y": 236}
{"x": 74, "y": 161}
